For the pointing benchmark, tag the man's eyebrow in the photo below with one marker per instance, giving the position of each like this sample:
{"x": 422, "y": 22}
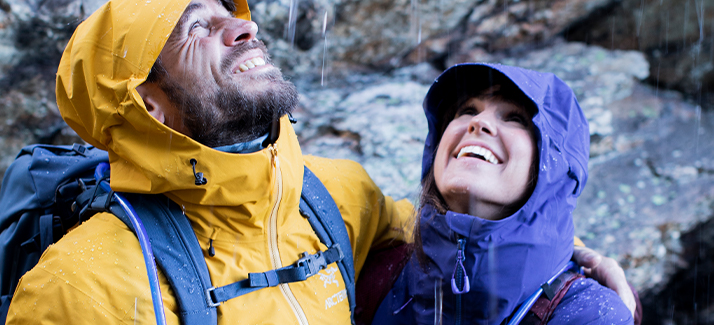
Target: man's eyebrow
{"x": 187, "y": 13}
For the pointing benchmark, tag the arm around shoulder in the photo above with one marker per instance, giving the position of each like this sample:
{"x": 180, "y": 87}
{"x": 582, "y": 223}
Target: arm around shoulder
{"x": 589, "y": 303}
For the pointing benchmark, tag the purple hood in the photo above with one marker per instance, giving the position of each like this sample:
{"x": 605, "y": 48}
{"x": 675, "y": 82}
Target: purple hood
{"x": 508, "y": 259}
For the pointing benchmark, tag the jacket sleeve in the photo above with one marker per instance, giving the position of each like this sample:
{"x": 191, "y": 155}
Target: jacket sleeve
{"x": 589, "y": 303}
{"x": 93, "y": 275}
{"x": 373, "y": 220}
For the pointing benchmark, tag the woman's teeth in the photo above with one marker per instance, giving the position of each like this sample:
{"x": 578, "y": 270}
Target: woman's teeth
{"x": 250, "y": 64}
{"x": 478, "y": 152}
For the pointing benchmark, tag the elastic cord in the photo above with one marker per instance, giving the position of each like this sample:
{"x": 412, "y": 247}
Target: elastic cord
{"x": 151, "y": 269}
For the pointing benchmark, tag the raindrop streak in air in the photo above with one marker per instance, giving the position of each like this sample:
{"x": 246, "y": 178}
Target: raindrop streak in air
{"x": 642, "y": 17}
{"x": 416, "y": 21}
{"x": 492, "y": 274}
{"x": 292, "y": 20}
{"x": 324, "y": 50}
{"x": 700, "y": 21}
{"x": 438, "y": 301}
{"x": 696, "y": 131}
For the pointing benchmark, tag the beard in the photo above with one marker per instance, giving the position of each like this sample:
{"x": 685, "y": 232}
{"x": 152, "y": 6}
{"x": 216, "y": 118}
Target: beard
{"x": 230, "y": 114}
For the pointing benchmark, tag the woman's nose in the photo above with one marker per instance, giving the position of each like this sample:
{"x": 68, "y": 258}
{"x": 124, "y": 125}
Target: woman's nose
{"x": 482, "y": 123}
{"x": 238, "y": 30}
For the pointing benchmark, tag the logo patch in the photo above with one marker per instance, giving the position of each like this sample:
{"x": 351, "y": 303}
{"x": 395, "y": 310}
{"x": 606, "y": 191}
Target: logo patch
{"x": 329, "y": 277}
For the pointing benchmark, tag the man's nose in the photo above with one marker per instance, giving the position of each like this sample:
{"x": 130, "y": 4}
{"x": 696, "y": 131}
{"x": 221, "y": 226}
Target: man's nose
{"x": 482, "y": 123}
{"x": 238, "y": 31}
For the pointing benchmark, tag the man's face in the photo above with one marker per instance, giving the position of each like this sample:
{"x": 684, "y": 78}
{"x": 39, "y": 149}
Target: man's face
{"x": 219, "y": 77}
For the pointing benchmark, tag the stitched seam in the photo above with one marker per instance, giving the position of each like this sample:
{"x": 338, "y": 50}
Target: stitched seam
{"x": 99, "y": 303}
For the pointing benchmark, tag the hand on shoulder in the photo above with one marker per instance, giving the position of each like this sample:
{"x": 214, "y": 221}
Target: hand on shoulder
{"x": 607, "y": 272}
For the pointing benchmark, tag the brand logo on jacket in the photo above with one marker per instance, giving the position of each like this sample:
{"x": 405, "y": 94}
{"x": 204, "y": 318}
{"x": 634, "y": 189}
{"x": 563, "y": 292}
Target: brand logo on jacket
{"x": 335, "y": 299}
{"x": 329, "y": 276}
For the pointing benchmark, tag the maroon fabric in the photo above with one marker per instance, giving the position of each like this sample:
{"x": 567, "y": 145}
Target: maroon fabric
{"x": 377, "y": 277}
{"x": 638, "y": 307}
{"x": 544, "y": 308}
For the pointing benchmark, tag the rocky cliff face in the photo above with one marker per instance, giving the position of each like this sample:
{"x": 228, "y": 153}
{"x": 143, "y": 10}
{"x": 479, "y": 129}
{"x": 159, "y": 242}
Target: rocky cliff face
{"x": 641, "y": 71}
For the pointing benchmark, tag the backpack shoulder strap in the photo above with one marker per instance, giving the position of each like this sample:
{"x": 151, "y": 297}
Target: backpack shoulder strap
{"x": 177, "y": 253}
{"x": 317, "y": 205}
{"x": 544, "y": 307}
{"x": 173, "y": 242}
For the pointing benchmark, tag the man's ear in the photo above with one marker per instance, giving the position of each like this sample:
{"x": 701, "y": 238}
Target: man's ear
{"x": 157, "y": 103}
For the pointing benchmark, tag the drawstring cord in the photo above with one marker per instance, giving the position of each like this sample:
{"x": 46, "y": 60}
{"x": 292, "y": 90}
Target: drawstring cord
{"x": 200, "y": 180}
{"x": 211, "y": 249}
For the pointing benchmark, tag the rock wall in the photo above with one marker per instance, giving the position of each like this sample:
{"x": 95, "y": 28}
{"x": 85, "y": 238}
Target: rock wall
{"x": 641, "y": 70}
{"x": 677, "y": 36}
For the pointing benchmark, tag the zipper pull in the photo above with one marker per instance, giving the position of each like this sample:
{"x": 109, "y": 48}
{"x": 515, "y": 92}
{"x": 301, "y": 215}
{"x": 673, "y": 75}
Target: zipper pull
{"x": 459, "y": 279}
{"x": 274, "y": 153}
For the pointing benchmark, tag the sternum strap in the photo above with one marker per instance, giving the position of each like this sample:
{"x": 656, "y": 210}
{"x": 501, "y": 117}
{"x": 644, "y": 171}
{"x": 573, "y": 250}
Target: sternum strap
{"x": 304, "y": 268}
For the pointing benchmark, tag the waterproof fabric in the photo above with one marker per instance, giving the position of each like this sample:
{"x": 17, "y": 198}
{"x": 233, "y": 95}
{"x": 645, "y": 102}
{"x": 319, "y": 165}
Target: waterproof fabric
{"x": 508, "y": 259}
{"x": 249, "y": 207}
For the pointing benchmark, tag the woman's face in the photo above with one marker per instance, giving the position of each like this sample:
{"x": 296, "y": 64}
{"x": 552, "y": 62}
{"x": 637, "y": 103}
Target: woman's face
{"x": 482, "y": 165}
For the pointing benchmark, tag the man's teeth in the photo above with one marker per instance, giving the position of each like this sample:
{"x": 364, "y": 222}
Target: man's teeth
{"x": 481, "y": 152}
{"x": 250, "y": 64}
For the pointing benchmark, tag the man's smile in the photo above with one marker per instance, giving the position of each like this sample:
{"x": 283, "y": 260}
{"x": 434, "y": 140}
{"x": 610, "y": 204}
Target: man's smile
{"x": 250, "y": 64}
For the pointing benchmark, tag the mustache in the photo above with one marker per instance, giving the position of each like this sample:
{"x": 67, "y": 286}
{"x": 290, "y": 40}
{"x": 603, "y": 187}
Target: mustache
{"x": 240, "y": 49}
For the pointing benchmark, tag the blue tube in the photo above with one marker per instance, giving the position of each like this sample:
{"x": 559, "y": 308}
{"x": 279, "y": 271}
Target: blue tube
{"x": 146, "y": 251}
{"x": 526, "y": 306}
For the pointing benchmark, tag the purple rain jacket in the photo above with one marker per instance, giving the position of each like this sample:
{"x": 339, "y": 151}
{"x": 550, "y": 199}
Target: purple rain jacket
{"x": 506, "y": 260}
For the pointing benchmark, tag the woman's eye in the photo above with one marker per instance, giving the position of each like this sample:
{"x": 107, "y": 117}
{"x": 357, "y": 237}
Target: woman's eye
{"x": 467, "y": 111}
{"x": 518, "y": 118}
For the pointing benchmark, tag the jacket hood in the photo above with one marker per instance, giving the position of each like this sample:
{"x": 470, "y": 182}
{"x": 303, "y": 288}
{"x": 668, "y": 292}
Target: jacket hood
{"x": 508, "y": 259}
{"x": 108, "y": 56}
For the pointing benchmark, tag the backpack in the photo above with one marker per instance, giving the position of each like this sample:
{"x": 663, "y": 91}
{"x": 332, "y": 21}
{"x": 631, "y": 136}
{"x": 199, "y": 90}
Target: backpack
{"x": 49, "y": 189}
{"x": 539, "y": 307}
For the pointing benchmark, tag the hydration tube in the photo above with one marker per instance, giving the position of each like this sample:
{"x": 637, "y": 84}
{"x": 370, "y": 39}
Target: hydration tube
{"x": 526, "y": 306}
{"x": 146, "y": 251}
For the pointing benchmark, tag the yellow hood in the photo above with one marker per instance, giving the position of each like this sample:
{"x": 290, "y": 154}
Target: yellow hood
{"x": 109, "y": 55}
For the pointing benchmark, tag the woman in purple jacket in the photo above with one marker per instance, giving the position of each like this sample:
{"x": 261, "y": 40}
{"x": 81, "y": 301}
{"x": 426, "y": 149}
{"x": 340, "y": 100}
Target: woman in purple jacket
{"x": 504, "y": 161}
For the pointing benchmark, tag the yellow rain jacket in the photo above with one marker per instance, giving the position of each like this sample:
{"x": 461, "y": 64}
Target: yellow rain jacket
{"x": 96, "y": 274}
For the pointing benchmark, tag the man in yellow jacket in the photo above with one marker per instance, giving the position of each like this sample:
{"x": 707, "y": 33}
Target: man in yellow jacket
{"x": 214, "y": 87}
{"x": 159, "y": 83}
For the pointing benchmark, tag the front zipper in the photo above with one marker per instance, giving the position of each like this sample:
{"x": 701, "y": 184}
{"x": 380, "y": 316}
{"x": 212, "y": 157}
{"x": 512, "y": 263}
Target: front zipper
{"x": 459, "y": 279}
{"x": 273, "y": 236}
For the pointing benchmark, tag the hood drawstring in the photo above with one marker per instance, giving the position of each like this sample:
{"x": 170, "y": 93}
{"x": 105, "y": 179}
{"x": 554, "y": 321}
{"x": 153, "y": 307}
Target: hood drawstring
{"x": 211, "y": 249}
{"x": 200, "y": 180}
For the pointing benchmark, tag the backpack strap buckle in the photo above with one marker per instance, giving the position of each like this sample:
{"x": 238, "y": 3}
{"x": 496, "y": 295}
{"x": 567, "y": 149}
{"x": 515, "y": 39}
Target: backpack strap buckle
{"x": 79, "y": 149}
{"x": 211, "y": 298}
{"x": 320, "y": 260}
{"x": 311, "y": 263}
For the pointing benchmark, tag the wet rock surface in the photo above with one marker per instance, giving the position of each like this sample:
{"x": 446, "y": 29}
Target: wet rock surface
{"x": 363, "y": 68}
{"x": 675, "y": 35}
